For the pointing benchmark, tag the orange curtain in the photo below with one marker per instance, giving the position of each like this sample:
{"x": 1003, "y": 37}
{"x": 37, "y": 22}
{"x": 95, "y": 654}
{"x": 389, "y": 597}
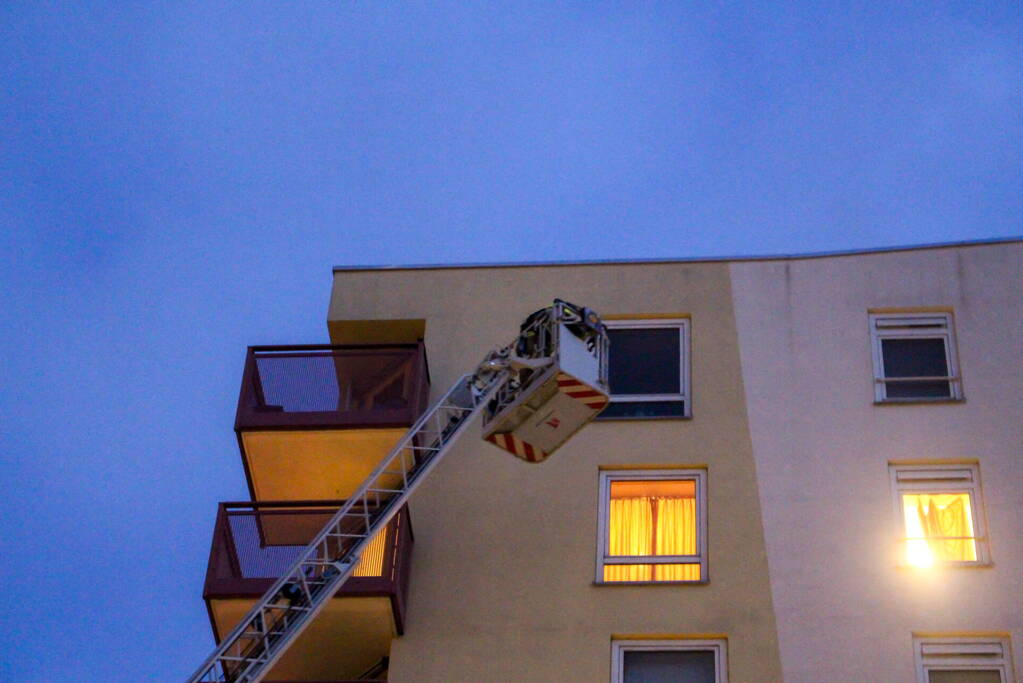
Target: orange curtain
{"x": 630, "y": 529}
{"x": 676, "y": 535}
{"x": 652, "y": 526}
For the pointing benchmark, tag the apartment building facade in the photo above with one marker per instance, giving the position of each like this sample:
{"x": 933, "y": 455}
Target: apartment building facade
{"x": 806, "y": 473}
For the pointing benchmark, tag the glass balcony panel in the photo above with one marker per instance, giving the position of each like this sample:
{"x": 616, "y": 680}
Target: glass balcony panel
{"x": 324, "y": 387}
{"x": 255, "y": 543}
{"x": 267, "y": 542}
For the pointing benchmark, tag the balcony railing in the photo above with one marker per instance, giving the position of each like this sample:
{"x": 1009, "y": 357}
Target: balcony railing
{"x": 332, "y": 387}
{"x": 254, "y": 543}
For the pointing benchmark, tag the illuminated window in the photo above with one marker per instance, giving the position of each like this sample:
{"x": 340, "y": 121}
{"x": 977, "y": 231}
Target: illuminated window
{"x": 652, "y": 526}
{"x": 648, "y": 368}
{"x": 914, "y": 357}
{"x": 940, "y": 515}
{"x": 689, "y": 661}
{"x": 963, "y": 660}
{"x": 371, "y": 563}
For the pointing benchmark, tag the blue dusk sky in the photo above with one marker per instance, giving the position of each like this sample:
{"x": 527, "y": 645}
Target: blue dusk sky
{"x": 177, "y": 179}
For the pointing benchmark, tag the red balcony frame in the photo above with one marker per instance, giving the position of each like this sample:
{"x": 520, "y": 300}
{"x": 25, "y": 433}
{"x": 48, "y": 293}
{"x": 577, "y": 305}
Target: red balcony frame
{"x": 225, "y": 578}
{"x": 254, "y": 413}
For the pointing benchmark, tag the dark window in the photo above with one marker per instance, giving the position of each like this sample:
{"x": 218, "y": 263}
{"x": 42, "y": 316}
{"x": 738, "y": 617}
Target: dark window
{"x": 920, "y": 357}
{"x": 669, "y": 666}
{"x": 965, "y": 676}
{"x": 644, "y": 361}
{"x": 646, "y": 372}
{"x": 645, "y": 409}
{"x": 914, "y": 357}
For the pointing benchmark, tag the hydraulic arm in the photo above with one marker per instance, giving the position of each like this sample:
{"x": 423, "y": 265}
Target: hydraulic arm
{"x": 533, "y": 394}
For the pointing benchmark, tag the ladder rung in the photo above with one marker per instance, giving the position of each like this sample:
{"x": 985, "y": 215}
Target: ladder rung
{"x": 229, "y": 658}
{"x": 293, "y": 608}
{"x": 316, "y": 562}
{"x": 257, "y": 634}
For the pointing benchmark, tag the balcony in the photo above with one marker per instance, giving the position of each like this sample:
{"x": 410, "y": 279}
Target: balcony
{"x": 313, "y": 421}
{"x": 254, "y": 543}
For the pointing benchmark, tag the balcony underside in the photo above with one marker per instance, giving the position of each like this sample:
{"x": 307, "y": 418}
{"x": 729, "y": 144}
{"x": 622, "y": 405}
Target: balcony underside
{"x": 313, "y": 421}
{"x": 312, "y": 464}
{"x": 347, "y": 638}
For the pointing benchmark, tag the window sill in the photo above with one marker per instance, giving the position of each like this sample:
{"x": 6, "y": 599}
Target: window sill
{"x": 630, "y": 418}
{"x": 947, "y": 565}
{"x": 904, "y": 401}
{"x": 702, "y": 582}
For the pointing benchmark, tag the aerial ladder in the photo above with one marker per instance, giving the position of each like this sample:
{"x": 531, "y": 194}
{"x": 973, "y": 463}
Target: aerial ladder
{"x": 534, "y": 394}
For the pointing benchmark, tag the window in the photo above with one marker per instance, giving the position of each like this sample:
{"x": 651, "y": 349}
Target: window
{"x": 914, "y": 357}
{"x": 962, "y": 660}
{"x": 939, "y": 513}
{"x": 669, "y": 661}
{"x": 648, "y": 368}
{"x": 653, "y": 526}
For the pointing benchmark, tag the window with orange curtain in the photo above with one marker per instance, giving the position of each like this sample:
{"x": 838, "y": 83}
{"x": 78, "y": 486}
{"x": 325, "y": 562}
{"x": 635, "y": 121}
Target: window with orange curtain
{"x": 939, "y": 515}
{"x": 651, "y": 527}
{"x": 939, "y": 528}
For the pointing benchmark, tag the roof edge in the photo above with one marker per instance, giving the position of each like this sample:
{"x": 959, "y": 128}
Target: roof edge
{"x": 693, "y": 259}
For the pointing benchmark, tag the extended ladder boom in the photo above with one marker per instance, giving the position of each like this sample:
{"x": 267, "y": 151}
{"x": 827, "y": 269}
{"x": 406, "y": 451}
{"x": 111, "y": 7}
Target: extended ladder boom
{"x": 291, "y": 604}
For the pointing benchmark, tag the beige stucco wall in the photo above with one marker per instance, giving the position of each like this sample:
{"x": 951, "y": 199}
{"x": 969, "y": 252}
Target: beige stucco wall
{"x": 502, "y": 584}
{"x": 845, "y": 611}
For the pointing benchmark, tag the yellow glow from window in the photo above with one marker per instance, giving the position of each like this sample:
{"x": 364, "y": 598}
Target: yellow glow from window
{"x": 651, "y": 572}
{"x": 939, "y": 528}
{"x": 652, "y": 518}
{"x": 372, "y": 561}
{"x": 918, "y": 554}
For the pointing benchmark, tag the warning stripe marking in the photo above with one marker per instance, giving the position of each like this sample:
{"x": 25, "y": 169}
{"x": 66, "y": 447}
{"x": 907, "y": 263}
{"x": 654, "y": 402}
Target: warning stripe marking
{"x": 571, "y": 387}
{"x": 584, "y": 393}
{"x": 533, "y": 454}
{"x": 517, "y": 447}
{"x": 589, "y": 396}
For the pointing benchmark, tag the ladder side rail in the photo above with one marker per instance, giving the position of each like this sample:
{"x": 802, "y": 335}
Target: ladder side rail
{"x": 267, "y": 637}
{"x": 317, "y": 546}
{"x": 254, "y": 627}
{"x": 258, "y": 669}
{"x": 298, "y": 577}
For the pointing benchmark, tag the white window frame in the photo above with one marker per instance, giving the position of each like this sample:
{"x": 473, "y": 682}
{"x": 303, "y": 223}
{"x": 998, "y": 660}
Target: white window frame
{"x": 682, "y": 325}
{"x": 914, "y": 326}
{"x": 961, "y": 653}
{"x": 699, "y": 476}
{"x": 719, "y": 646}
{"x": 936, "y": 479}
